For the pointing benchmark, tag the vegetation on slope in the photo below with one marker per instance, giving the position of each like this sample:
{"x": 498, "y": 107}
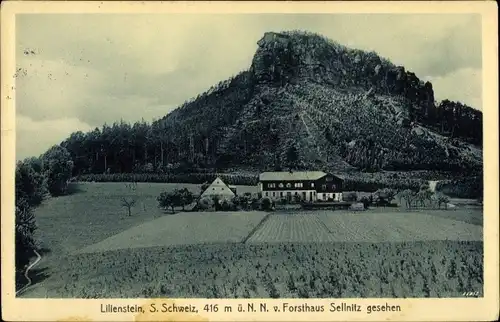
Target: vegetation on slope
{"x": 338, "y": 108}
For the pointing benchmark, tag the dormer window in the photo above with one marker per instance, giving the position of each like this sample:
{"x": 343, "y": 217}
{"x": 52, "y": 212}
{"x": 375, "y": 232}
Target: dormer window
{"x": 312, "y": 184}
{"x": 288, "y": 185}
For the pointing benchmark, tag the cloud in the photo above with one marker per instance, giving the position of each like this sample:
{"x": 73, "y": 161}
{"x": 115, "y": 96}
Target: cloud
{"x": 33, "y": 138}
{"x": 467, "y": 91}
{"x": 100, "y": 68}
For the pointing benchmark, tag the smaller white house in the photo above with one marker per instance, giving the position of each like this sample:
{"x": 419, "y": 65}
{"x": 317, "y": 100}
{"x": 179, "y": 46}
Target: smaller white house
{"x": 218, "y": 188}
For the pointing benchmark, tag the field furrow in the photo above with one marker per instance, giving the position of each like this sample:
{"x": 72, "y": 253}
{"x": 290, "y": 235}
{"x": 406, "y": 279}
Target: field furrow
{"x": 291, "y": 228}
{"x": 380, "y": 227}
{"x": 183, "y": 229}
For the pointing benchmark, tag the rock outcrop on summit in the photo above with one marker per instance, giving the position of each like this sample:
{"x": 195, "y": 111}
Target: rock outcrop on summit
{"x": 341, "y": 109}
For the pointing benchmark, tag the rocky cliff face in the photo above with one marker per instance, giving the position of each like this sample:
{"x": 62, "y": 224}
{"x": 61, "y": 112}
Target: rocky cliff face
{"x": 293, "y": 57}
{"x": 340, "y": 108}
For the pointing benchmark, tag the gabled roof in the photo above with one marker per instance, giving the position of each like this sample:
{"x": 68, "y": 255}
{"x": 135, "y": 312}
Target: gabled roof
{"x": 291, "y": 176}
{"x": 218, "y": 187}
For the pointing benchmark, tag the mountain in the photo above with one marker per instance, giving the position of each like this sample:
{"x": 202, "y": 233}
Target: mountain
{"x": 310, "y": 103}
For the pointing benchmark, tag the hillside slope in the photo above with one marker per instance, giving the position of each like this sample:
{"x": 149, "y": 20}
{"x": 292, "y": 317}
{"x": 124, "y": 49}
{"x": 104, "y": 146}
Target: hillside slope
{"x": 335, "y": 108}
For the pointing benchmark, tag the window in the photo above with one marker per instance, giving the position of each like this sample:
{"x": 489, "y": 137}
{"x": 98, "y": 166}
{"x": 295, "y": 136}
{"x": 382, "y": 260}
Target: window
{"x": 281, "y": 193}
{"x": 213, "y": 188}
{"x": 281, "y": 185}
{"x": 267, "y": 194}
{"x": 288, "y": 185}
{"x": 274, "y": 194}
{"x": 298, "y": 185}
{"x": 312, "y": 184}
{"x": 323, "y": 187}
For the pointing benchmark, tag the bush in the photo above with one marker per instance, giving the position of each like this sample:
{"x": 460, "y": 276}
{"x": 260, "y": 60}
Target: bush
{"x": 471, "y": 187}
{"x": 176, "y": 198}
{"x": 226, "y": 206}
{"x": 205, "y": 203}
{"x": 366, "y": 202}
{"x": 265, "y": 204}
{"x": 350, "y": 196}
{"x": 31, "y": 185}
{"x": 25, "y": 228}
{"x": 57, "y": 166}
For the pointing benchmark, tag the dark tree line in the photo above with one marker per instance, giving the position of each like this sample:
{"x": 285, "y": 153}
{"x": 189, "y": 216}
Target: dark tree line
{"x": 36, "y": 178}
{"x": 189, "y": 138}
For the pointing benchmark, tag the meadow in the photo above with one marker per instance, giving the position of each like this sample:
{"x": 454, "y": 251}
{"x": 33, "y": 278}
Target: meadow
{"x": 92, "y": 248}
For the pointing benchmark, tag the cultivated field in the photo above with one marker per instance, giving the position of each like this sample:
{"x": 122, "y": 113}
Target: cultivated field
{"x": 184, "y": 229}
{"x": 94, "y": 249}
{"x": 412, "y": 269}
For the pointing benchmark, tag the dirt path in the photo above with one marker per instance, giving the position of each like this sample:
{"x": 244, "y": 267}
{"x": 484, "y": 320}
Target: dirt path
{"x": 26, "y": 274}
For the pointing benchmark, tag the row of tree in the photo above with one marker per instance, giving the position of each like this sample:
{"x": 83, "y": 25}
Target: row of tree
{"x": 36, "y": 178}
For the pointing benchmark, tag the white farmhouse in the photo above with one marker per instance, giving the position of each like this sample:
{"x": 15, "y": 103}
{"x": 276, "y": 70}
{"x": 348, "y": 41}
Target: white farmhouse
{"x": 218, "y": 188}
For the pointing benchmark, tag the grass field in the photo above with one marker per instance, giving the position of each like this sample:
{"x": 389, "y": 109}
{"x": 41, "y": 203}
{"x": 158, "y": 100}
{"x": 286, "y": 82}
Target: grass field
{"x": 96, "y": 250}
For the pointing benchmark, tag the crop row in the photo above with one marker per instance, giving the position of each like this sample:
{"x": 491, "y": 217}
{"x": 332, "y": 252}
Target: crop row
{"x": 414, "y": 269}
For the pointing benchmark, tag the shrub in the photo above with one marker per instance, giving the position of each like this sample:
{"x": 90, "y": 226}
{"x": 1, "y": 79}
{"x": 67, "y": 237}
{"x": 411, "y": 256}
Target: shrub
{"x": 471, "y": 187}
{"x": 265, "y": 204}
{"x": 168, "y": 200}
{"x": 31, "y": 184}
{"x": 366, "y": 202}
{"x": 25, "y": 226}
{"x": 58, "y": 166}
{"x": 385, "y": 195}
{"x": 350, "y": 196}
{"x": 205, "y": 203}
{"x": 226, "y": 206}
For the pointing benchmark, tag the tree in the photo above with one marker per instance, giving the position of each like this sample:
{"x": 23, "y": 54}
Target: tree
{"x": 409, "y": 196}
{"x": 424, "y": 194}
{"x": 204, "y": 187}
{"x": 57, "y": 167}
{"x": 31, "y": 184}
{"x": 366, "y": 202}
{"x": 440, "y": 199}
{"x": 130, "y": 201}
{"x": 297, "y": 198}
{"x": 265, "y": 204}
{"x": 186, "y": 197}
{"x": 385, "y": 196}
{"x": 167, "y": 200}
{"x": 25, "y": 226}
{"x": 292, "y": 156}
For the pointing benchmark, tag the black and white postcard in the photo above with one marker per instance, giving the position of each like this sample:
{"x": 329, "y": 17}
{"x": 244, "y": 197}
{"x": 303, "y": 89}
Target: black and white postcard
{"x": 258, "y": 161}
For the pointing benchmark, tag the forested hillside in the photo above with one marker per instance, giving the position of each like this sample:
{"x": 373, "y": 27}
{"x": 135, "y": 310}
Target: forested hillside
{"x": 306, "y": 102}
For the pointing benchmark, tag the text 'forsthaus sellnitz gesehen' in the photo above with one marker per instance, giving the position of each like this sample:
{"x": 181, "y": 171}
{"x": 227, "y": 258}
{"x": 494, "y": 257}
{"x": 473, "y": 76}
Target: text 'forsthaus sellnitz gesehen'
{"x": 333, "y": 307}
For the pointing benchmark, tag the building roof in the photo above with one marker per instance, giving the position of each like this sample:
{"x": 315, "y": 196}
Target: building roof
{"x": 291, "y": 176}
{"x": 219, "y": 188}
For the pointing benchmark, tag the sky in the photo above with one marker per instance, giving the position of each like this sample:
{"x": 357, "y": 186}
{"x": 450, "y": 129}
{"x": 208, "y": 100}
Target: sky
{"x": 79, "y": 71}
